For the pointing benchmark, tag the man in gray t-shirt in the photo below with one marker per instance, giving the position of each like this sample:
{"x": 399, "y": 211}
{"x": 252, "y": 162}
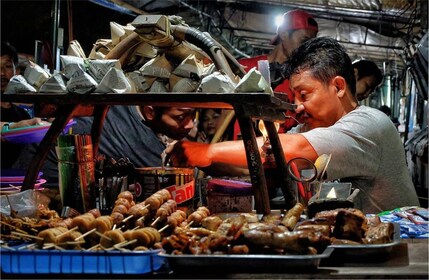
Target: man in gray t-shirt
{"x": 367, "y": 151}
{"x": 365, "y": 145}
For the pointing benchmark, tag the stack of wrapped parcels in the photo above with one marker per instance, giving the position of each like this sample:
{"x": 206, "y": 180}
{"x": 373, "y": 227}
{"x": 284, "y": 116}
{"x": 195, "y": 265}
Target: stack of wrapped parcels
{"x": 148, "y": 67}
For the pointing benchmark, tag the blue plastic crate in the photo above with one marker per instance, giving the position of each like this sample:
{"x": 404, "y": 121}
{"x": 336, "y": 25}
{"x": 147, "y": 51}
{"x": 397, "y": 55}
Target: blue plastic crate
{"x": 79, "y": 262}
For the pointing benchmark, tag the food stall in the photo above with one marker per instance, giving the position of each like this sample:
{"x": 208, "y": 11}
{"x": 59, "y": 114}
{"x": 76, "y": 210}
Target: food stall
{"x": 154, "y": 238}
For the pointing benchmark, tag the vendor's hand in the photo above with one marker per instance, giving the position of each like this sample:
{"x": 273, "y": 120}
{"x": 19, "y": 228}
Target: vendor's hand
{"x": 187, "y": 153}
{"x": 29, "y": 122}
{"x": 202, "y": 137}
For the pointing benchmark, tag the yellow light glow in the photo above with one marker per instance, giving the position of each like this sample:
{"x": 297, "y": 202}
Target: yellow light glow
{"x": 332, "y": 194}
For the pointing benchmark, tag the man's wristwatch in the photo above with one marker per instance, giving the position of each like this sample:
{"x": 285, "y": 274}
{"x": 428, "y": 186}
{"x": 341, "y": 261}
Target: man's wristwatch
{"x": 6, "y": 126}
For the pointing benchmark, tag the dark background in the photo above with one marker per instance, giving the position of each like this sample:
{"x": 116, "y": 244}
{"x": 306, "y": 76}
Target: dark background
{"x": 24, "y": 22}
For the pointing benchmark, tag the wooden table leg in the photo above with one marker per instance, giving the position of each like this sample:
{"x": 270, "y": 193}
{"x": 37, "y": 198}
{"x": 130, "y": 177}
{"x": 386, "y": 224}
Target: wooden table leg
{"x": 287, "y": 184}
{"x": 46, "y": 144}
{"x": 254, "y": 162}
{"x": 100, "y": 113}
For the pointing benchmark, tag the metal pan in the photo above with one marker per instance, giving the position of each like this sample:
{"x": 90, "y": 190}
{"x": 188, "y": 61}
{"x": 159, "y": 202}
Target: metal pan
{"x": 246, "y": 263}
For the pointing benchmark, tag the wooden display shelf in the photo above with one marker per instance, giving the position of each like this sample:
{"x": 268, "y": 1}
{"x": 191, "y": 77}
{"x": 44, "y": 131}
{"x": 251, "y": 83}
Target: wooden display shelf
{"x": 247, "y": 107}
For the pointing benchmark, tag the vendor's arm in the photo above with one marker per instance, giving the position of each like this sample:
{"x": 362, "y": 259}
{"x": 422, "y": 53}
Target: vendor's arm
{"x": 23, "y": 123}
{"x": 233, "y": 153}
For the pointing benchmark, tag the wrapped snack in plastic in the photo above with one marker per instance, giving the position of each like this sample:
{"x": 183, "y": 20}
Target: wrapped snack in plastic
{"x": 253, "y": 81}
{"x": 98, "y": 68}
{"x": 158, "y": 86}
{"x": 139, "y": 82}
{"x": 180, "y": 84}
{"x": 71, "y": 63}
{"x": 35, "y": 75}
{"x": 18, "y": 84}
{"x": 55, "y": 84}
{"x": 157, "y": 67}
{"x": 190, "y": 68}
{"x": 217, "y": 82}
{"x": 114, "y": 82}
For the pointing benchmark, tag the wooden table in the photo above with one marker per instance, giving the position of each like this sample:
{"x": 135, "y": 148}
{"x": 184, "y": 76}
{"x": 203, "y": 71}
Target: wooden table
{"x": 247, "y": 106}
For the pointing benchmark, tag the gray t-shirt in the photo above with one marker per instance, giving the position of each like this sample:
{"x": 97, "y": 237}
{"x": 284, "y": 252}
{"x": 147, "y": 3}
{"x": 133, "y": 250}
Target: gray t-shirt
{"x": 368, "y": 152}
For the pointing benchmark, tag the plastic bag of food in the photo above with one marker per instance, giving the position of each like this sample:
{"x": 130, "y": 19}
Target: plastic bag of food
{"x": 23, "y": 204}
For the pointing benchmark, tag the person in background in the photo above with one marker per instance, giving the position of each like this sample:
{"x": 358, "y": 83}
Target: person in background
{"x": 366, "y": 148}
{"x": 11, "y": 115}
{"x": 297, "y": 27}
{"x": 386, "y": 109}
{"x": 208, "y": 124}
{"x": 140, "y": 133}
{"x": 368, "y": 78}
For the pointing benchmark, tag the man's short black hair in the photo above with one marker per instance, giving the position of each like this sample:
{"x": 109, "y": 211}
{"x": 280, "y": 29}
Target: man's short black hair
{"x": 8, "y": 49}
{"x": 367, "y": 68}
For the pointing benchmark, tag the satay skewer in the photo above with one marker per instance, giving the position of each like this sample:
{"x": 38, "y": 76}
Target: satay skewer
{"x": 27, "y": 235}
{"x": 85, "y": 234}
{"x": 67, "y": 232}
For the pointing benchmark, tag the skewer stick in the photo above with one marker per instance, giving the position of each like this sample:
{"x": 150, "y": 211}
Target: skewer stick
{"x": 48, "y": 245}
{"x": 6, "y": 224}
{"x": 71, "y": 242}
{"x": 93, "y": 247}
{"x": 27, "y": 235}
{"x": 85, "y": 234}
{"x": 163, "y": 228}
{"x": 66, "y": 232}
{"x": 127, "y": 218}
{"x": 102, "y": 235}
{"x": 29, "y": 246}
{"x": 114, "y": 227}
{"x": 156, "y": 220}
{"x": 141, "y": 218}
{"x": 190, "y": 223}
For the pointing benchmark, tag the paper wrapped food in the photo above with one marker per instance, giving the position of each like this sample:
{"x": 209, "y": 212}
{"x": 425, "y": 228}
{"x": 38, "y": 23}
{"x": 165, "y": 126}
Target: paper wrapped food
{"x": 75, "y": 49}
{"x": 253, "y": 81}
{"x": 18, "y": 84}
{"x": 180, "y": 84}
{"x": 140, "y": 83}
{"x": 100, "y": 49}
{"x": 98, "y": 68}
{"x": 190, "y": 68}
{"x": 114, "y": 82}
{"x": 55, "y": 84}
{"x": 158, "y": 86}
{"x": 157, "y": 67}
{"x": 119, "y": 32}
{"x": 80, "y": 81}
{"x": 70, "y": 64}
{"x": 217, "y": 82}
{"x": 35, "y": 75}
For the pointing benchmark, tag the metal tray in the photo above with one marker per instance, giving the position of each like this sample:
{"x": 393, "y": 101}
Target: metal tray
{"x": 366, "y": 252}
{"x": 246, "y": 262}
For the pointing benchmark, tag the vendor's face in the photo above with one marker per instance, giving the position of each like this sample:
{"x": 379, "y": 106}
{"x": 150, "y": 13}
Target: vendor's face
{"x": 365, "y": 87}
{"x": 176, "y": 122}
{"x": 318, "y": 103}
{"x": 210, "y": 121}
{"x": 294, "y": 39}
{"x": 7, "y": 71}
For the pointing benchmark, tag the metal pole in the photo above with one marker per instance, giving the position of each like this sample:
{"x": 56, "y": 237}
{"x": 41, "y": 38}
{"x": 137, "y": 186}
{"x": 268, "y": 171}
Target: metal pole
{"x": 55, "y": 16}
